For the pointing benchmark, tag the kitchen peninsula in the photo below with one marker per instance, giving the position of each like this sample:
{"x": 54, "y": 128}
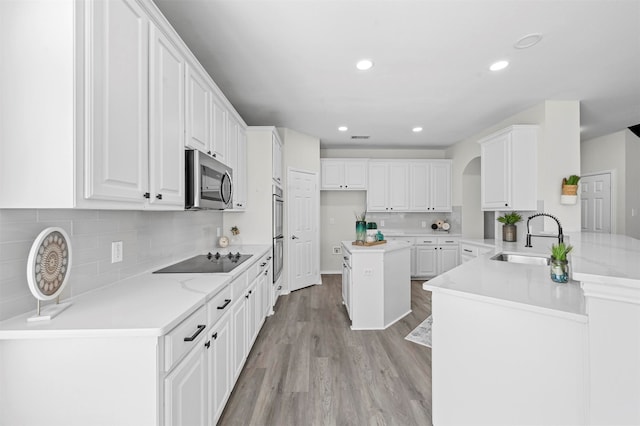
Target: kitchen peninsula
{"x": 516, "y": 348}
{"x": 376, "y": 283}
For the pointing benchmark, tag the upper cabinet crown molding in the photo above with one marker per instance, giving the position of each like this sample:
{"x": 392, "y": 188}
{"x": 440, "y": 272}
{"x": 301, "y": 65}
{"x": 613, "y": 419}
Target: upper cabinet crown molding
{"x": 509, "y": 169}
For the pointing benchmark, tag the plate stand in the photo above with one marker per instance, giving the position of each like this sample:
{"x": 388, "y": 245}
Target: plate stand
{"x": 48, "y": 312}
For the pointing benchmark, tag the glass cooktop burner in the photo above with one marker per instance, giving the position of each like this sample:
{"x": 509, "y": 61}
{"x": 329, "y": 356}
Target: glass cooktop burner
{"x": 206, "y": 263}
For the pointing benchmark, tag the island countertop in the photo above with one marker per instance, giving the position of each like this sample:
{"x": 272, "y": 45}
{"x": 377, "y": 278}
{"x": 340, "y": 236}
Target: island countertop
{"x": 604, "y": 258}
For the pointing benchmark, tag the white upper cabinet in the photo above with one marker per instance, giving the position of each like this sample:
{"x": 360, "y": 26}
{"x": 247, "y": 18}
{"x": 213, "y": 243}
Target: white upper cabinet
{"x": 237, "y": 160}
{"x": 122, "y": 98}
{"x": 166, "y": 127}
{"x": 198, "y": 113}
{"x": 440, "y": 186}
{"x": 344, "y": 174}
{"x": 509, "y": 169}
{"x": 388, "y": 188}
{"x": 219, "y": 123}
{"x": 116, "y": 144}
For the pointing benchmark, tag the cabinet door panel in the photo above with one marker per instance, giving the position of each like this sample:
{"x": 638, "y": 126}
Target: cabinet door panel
{"x": 239, "y": 335}
{"x": 116, "y": 155}
{"x": 376, "y": 192}
{"x": 447, "y": 258}
{"x": 186, "y": 401}
{"x": 198, "y": 112}
{"x": 332, "y": 174}
{"x": 419, "y": 183}
{"x": 219, "y": 130}
{"x": 426, "y": 261}
{"x": 398, "y": 192}
{"x": 166, "y": 142}
{"x": 355, "y": 174}
{"x": 440, "y": 185}
{"x": 220, "y": 366}
{"x": 495, "y": 172}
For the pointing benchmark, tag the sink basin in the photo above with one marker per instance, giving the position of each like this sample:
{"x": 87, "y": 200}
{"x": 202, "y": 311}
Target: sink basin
{"x": 521, "y": 258}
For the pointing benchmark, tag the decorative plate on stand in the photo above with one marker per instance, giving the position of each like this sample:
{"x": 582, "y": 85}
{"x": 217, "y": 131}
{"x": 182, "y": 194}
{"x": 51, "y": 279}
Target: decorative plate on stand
{"x": 48, "y": 270}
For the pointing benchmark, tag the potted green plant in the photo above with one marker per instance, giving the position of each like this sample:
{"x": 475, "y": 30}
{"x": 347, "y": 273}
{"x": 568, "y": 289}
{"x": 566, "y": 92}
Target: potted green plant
{"x": 510, "y": 230}
{"x": 559, "y": 263}
{"x": 570, "y": 185}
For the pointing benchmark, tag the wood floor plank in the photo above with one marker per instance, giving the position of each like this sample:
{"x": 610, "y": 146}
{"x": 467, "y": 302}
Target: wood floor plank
{"x": 307, "y": 367}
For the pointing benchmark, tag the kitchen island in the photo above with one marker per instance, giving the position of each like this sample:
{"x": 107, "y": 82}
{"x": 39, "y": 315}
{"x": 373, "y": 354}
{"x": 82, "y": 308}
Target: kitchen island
{"x": 513, "y": 347}
{"x": 376, "y": 283}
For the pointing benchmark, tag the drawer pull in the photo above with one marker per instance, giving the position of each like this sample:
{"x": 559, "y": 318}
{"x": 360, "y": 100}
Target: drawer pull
{"x": 269, "y": 258}
{"x": 207, "y": 344}
{"x": 200, "y": 329}
{"x": 214, "y": 336}
{"x": 226, "y": 302}
{"x": 263, "y": 264}
{"x": 467, "y": 250}
{"x": 449, "y": 241}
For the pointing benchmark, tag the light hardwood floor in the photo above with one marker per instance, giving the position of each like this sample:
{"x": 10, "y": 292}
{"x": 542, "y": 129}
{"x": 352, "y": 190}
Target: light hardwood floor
{"x": 308, "y": 367}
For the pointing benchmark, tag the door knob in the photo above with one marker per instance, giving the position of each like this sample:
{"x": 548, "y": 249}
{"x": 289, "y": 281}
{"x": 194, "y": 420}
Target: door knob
{"x": 293, "y": 237}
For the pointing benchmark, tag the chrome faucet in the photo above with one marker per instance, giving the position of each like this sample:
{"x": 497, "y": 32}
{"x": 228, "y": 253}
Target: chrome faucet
{"x": 529, "y": 234}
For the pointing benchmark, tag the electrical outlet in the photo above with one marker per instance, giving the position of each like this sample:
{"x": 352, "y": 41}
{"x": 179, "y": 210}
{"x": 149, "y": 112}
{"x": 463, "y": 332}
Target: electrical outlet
{"x": 218, "y": 232}
{"x": 116, "y": 251}
{"x": 424, "y": 224}
{"x": 382, "y": 223}
{"x": 337, "y": 250}
{"x": 368, "y": 272}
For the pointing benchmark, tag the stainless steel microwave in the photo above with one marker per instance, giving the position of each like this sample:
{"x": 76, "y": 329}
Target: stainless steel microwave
{"x": 209, "y": 183}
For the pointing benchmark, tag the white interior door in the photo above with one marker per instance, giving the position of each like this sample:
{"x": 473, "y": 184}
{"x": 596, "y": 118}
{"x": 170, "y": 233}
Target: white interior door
{"x": 596, "y": 202}
{"x": 303, "y": 199}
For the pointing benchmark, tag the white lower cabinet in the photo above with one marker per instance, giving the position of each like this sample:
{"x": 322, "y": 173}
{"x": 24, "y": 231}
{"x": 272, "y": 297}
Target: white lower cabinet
{"x": 220, "y": 367}
{"x": 435, "y": 256}
{"x": 186, "y": 396}
{"x": 239, "y": 313}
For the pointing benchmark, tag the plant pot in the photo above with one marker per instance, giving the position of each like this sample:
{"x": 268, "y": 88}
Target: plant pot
{"x": 361, "y": 230}
{"x": 509, "y": 233}
{"x": 559, "y": 270}
{"x": 569, "y": 189}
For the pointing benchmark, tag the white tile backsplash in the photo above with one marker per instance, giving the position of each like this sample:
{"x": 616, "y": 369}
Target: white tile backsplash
{"x": 150, "y": 239}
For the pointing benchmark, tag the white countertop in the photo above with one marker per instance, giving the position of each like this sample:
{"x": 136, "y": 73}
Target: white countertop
{"x": 605, "y": 258}
{"x": 387, "y": 247}
{"x": 144, "y": 305}
{"x": 484, "y": 242}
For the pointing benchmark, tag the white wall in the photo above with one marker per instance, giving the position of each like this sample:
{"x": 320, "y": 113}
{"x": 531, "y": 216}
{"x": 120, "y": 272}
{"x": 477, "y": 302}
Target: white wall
{"x": 150, "y": 240}
{"x": 632, "y": 201}
{"x": 603, "y": 154}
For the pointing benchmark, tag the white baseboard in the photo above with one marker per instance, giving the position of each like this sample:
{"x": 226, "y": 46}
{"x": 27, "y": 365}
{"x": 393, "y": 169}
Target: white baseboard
{"x": 339, "y": 272}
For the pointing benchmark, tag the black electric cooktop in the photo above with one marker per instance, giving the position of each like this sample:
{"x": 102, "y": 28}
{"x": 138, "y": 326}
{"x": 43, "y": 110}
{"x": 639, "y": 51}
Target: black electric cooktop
{"x": 206, "y": 263}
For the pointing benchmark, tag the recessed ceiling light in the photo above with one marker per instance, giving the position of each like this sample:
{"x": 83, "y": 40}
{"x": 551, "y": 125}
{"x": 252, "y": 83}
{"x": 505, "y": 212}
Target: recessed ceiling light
{"x": 364, "y": 64}
{"x": 528, "y": 41}
{"x": 343, "y": 128}
{"x": 417, "y": 129}
{"x": 500, "y": 65}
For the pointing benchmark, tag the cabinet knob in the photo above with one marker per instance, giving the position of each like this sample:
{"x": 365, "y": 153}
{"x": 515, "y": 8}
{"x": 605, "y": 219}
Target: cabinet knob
{"x": 214, "y": 336}
{"x": 506, "y": 204}
{"x": 146, "y": 195}
{"x": 159, "y": 196}
{"x": 207, "y": 344}
{"x": 209, "y": 152}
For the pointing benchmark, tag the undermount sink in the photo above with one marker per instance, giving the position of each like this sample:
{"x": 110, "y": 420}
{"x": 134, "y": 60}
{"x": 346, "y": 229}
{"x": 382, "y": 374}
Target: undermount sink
{"x": 521, "y": 258}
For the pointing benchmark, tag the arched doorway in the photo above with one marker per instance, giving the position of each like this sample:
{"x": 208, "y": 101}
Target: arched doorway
{"x": 473, "y": 225}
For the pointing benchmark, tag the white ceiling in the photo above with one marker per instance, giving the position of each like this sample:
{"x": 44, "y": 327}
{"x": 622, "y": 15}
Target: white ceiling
{"x": 291, "y": 63}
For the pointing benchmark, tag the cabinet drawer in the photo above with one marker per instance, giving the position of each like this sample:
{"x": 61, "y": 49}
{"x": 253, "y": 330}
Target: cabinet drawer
{"x": 184, "y": 337}
{"x": 468, "y": 250}
{"x": 426, "y": 240}
{"x": 410, "y": 240}
{"x": 261, "y": 265}
{"x": 447, "y": 240}
{"x": 239, "y": 285}
{"x": 219, "y": 305}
